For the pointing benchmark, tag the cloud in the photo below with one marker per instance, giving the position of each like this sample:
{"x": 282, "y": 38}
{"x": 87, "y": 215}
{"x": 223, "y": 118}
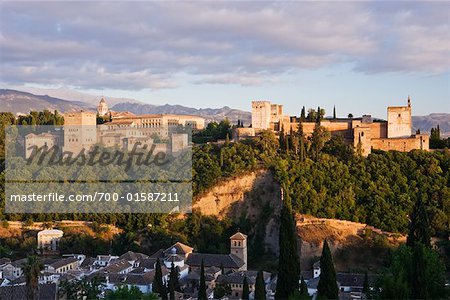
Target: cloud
{"x": 146, "y": 45}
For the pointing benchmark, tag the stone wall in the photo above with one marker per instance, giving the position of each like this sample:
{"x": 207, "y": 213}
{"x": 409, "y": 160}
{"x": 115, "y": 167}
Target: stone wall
{"x": 420, "y": 141}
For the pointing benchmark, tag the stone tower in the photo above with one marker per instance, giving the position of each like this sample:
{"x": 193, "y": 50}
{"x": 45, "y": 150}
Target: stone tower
{"x": 261, "y": 114}
{"x": 399, "y": 121}
{"x": 239, "y": 247}
{"x": 102, "y": 108}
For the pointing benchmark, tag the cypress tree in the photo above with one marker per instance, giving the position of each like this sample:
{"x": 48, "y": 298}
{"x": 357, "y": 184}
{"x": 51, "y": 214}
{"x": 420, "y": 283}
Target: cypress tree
{"x": 202, "y": 288}
{"x": 419, "y": 226}
{"x": 327, "y": 287}
{"x": 173, "y": 281}
{"x": 158, "y": 285}
{"x": 303, "y": 114}
{"x": 289, "y": 262}
{"x": 245, "y": 289}
{"x": 260, "y": 287}
{"x": 304, "y": 290}
{"x": 282, "y": 138}
{"x": 366, "y": 287}
{"x": 334, "y": 112}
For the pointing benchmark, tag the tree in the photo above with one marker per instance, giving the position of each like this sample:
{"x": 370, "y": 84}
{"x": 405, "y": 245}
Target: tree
{"x": 222, "y": 290}
{"x": 91, "y": 289}
{"x": 202, "y": 288}
{"x": 289, "y": 262}
{"x": 366, "y": 286}
{"x": 125, "y": 293}
{"x": 419, "y": 226}
{"x": 318, "y": 139}
{"x": 260, "y": 286}
{"x": 158, "y": 284}
{"x": 327, "y": 287}
{"x": 304, "y": 290}
{"x": 32, "y": 269}
{"x": 334, "y": 112}
{"x": 303, "y": 114}
{"x": 350, "y": 116}
{"x": 173, "y": 281}
{"x": 245, "y": 289}
{"x": 414, "y": 273}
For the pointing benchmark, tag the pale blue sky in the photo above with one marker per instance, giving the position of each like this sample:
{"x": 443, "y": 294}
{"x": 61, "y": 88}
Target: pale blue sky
{"x": 359, "y": 56}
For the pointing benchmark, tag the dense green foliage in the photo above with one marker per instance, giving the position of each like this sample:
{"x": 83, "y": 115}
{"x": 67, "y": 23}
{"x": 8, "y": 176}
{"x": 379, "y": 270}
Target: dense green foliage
{"x": 214, "y": 131}
{"x": 416, "y": 270}
{"x": 377, "y": 190}
{"x": 84, "y": 289}
{"x": 327, "y": 287}
{"x": 414, "y": 273}
{"x": 126, "y": 293}
{"x": 221, "y": 290}
{"x": 436, "y": 142}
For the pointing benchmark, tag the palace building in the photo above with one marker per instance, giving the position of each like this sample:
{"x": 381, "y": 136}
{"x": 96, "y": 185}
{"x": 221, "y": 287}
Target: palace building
{"x": 364, "y": 133}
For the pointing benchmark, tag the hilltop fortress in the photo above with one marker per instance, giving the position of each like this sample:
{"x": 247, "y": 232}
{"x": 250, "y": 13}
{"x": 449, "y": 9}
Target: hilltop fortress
{"x": 365, "y": 132}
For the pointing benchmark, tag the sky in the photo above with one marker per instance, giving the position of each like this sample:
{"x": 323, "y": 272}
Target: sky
{"x": 360, "y": 56}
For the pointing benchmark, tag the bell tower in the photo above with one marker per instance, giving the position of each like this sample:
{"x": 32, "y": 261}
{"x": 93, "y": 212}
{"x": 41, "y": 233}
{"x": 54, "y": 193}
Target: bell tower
{"x": 239, "y": 247}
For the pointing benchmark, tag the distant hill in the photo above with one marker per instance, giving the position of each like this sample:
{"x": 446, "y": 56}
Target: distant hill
{"x": 73, "y": 95}
{"x": 19, "y": 102}
{"x": 210, "y": 114}
{"x": 425, "y": 123}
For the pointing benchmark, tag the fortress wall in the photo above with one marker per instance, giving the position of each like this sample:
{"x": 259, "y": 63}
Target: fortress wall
{"x": 401, "y": 144}
{"x": 242, "y": 133}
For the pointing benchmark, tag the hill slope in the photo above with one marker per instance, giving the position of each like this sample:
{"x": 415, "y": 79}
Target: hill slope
{"x": 210, "y": 114}
{"x": 22, "y": 103}
{"x": 74, "y": 95}
{"x": 425, "y": 123}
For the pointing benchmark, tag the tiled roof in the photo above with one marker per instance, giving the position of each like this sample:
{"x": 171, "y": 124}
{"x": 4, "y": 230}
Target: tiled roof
{"x": 180, "y": 248}
{"x": 148, "y": 263}
{"x": 87, "y": 263}
{"x": 133, "y": 256}
{"x": 209, "y": 260}
{"x": 238, "y": 277}
{"x": 117, "y": 266}
{"x": 19, "y": 263}
{"x": 18, "y": 281}
{"x": 353, "y": 280}
{"x": 63, "y": 262}
{"x": 238, "y": 236}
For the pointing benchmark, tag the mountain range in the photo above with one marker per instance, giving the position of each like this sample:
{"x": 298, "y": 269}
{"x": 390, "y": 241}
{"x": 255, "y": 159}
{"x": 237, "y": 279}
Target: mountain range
{"x": 64, "y": 100}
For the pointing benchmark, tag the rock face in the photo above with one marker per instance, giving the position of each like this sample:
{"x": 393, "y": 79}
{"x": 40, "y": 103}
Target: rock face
{"x": 355, "y": 246}
{"x": 254, "y": 196}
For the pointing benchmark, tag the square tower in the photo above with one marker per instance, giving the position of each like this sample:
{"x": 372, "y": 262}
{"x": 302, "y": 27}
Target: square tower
{"x": 399, "y": 121}
{"x": 80, "y": 131}
{"x": 261, "y": 114}
{"x": 239, "y": 247}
